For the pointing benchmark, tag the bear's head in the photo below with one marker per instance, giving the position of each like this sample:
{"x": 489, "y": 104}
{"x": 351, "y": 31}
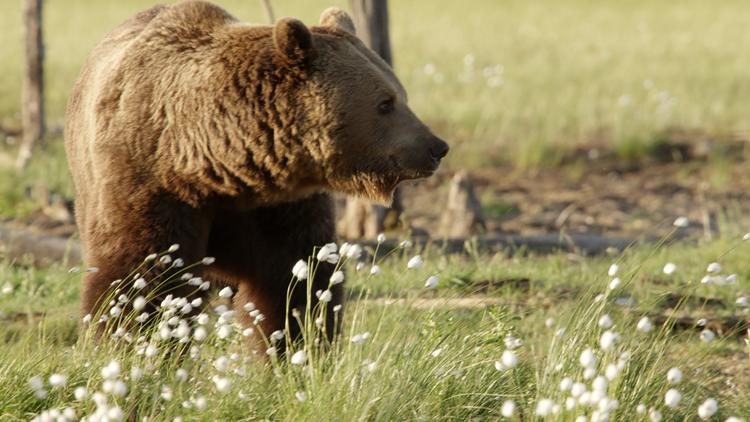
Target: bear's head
{"x": 367, "y": 138}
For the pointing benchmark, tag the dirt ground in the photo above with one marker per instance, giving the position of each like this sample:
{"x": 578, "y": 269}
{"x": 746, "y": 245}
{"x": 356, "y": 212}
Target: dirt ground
{"x": 596, "y": 192}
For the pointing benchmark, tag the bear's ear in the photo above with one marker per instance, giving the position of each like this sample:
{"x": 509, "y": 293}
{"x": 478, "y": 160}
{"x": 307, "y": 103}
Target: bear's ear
{"x": 294, "y": 41}
{"x": 337, "y": 18}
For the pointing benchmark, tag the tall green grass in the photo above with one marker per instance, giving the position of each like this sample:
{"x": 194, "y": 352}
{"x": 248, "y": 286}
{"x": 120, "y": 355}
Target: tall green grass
{"x": 418, "y": 362}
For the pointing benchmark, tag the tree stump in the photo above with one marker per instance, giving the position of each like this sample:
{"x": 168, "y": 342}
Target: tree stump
{"x": 361, "y": 218}
{"x": 463, "y": 213}
{"x": 32, "y": 87}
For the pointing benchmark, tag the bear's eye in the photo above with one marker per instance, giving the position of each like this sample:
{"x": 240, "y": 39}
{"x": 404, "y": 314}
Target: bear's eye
{"x": 386, "y": 106}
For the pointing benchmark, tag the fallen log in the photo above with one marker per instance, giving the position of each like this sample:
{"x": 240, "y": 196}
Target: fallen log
{"x": 21, "y": 245}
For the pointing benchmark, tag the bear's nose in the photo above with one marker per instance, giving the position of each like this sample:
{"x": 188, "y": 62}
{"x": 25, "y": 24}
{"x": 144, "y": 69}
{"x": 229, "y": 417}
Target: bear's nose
{"x": 439, "y": 149}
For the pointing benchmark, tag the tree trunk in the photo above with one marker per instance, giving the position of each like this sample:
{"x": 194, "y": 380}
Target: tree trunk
{"x": 361, "y": 218}
{"x": 32, "y": 87}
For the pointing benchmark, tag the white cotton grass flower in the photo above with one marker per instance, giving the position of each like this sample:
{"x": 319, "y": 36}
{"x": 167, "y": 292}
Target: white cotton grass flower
{"x": 606, "y": 321}
{"x": 566, "y": 384}
{"x": 508, "y": 360}
{"x": 208, "y": 260}
{"x": 58, "y": 380}
{"x": 544, "y": 407}
{"x": 360, "y": 338}
{"x": 299, "y": 358}
{"x": 226, "y": 292}
{"x": 613, "y": 269}
{"x": 669, "y": 268}
{"x": 707, "y": 336}
{"x": 608, "y": 339}
{"x": 588, "y": 358}
{"x": 300, "y": 270}
{"x": 512, "y": 342}
{"x": 654, "y": 415}
{"x": 508, "y": 409}
{"x": 644, "y": 325}
{"x": 708, "y": 408}
{"x": 301, "y": 396}
{"x": 713, "y": 268}
{"x": 746, "y": 236}
{"x": 277, "y": 336}
{"x": 405, "y": 244}
{"x": 139, "y": 283}
{"x": 36, "y": 383}
{"x": 674, "y": 376}
{"x": 224, "y": 331}
{"x": 681, "y": 222}
{"x": 589, "y": 373}
{"x": 375, "y": 270}
{"x": 599, "y": 384}
{"x": 222, "y": 384}
{"x": 7, "y": 289}
{"x": 111, "y": 370}
{"x": 337, "y": 278}
{"x": 742, "y": 301}
{"x": 611, "y": 371}
{"x": 381, "y": 238}
{"x": 432, "y": 282}
{"x": 577, "y": 389}
{"x": 80, "y": 393}
{"x": 415, "y": 262}
{"x": 221, "y": 363}
{"x": 615, "y": 283}
{"x": 324, "y": 296}
{"x": 327, "y": 253}
{"x": 672, "y": 398}
{"x": 139, "y": 303}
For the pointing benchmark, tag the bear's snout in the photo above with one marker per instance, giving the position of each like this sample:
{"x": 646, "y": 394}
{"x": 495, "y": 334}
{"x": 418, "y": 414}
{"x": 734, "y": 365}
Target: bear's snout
{"x": 438, "y": 148}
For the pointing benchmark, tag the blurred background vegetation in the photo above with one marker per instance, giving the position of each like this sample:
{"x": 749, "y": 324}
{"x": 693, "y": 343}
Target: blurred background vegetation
{"x": 506, "y": 82}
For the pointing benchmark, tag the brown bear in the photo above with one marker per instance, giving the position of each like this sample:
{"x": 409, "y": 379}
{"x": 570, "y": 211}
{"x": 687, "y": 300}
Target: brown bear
{"x": 187, "y": 126}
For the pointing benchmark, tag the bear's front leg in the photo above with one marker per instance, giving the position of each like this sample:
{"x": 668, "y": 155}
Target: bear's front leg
{"x": 118, "y": 245}
{"x": 255, "y": 252}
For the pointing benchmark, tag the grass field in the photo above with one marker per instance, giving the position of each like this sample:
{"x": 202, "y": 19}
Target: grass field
{"x": 509, "y": 336}
{"x": 514, "y": 81}
{"x": 426, "y": 354}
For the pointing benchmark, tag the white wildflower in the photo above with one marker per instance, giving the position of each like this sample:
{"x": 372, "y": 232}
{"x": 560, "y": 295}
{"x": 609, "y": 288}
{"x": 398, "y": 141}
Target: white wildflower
{"x": 672, "y": 398}
{"x": 674, "y": 376}
{"x": 414, "y": 262}
{"x": 669, "y": 268}
{"x": 299, "y": 358}
{"x": 508, "y": 408}
{"x": 644, "y": 325}
{"x": 708, "y": 408}
{"x": 58, "y": 380}
{"x": 226, "y": 292}
{"x": 300, "y": 270}
{"x": 713, "y": 268}
{"x": 707, "y": 336}
{"x": 606, "y": 321}
{"x": 432, "y": 282}
{"x": 337, "y": 278}
{"x": 681, "y": 222}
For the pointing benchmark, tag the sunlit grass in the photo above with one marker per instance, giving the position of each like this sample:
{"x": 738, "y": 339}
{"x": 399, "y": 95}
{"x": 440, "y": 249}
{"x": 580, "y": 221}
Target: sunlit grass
{"x": 399, "y": 360}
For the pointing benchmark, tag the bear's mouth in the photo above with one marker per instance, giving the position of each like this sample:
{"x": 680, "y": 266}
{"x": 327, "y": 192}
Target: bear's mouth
{"x": 405, "y": 173}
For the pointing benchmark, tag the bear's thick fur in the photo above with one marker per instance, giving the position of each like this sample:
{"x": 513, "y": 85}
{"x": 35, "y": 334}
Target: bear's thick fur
{"x": 187, "y": 126}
